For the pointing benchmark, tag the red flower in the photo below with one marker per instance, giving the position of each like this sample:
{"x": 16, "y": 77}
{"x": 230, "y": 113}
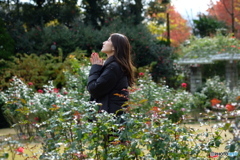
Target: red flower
{"x": 230, "y": 107}
{"x": 141, "y": 74}
{"x": 36, "y": 119}
{"x": 30, "y": 83}
{"x": 215, "y": 101}
{"x": 65, "y": 93}
{"x": 40, "y": 91}
{"x": 20, "y": 150}
{"x": 184, "y": 85}
{"x": 215, "y": 156}
{"x": 55, "y": 90}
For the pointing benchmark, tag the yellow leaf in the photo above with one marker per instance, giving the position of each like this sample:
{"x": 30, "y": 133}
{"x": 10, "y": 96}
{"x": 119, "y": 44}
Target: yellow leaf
{"x": 23, "y": 101}
{"x": 143, "y": 100}
{"x": 24, "y": 110}
{"x": 54, "y": 109}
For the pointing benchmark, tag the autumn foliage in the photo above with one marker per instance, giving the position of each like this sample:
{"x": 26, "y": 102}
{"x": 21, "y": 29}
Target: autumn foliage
{"x": 227, "y": 11}
{"x": 179, "y": 30}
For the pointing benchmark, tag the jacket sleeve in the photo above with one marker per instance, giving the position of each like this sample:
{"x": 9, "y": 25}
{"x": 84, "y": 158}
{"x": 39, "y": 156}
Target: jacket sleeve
{"x": 100, "y": 82}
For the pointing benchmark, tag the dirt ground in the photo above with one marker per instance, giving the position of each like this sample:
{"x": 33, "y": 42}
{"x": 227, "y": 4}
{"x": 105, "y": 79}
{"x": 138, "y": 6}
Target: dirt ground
{"x": 6, "y": 131}
{"x": 226, "y": 135}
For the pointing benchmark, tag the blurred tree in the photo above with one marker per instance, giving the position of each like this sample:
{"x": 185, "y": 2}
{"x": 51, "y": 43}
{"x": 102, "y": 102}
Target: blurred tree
{"x": 95, "y": 12}
{"x": 179, "y": 30}
{"x": 167, "y": 24}
{"x": 207, "y": 26}
{"x": 98, "y": 13}
{"x": 6, "y": 43}
{"x": 229, "y": 12}
{"x": 68, "y": 11}
{"x": 41, "y": 12}
{"x": 136, "y": 11}
{"x": 162, "y": 68}
{"x": 131, "y": 11}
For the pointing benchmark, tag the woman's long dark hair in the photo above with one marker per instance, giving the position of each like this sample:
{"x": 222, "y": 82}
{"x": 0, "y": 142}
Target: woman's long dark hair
{"x": 122, "y": 53}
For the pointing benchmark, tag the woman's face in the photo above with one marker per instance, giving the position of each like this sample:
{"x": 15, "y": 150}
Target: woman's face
{"x": 108, "y": 47}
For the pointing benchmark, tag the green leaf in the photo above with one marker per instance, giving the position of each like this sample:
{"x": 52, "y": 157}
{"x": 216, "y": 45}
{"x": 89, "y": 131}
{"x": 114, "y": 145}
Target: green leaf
{"x": 23, "y": 110}
{"x": 23, "y": 101}
{"x": 226, "y": 126}
{"x": 232, "y": 148}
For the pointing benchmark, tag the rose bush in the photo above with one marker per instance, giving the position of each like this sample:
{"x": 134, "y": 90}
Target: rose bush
{"x": 68, "y": 126}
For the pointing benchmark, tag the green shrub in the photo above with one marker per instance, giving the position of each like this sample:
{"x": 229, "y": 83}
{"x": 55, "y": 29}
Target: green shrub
{"x": 46, "y": 40}
{"x": 38, "y": 70}
{"x": 163, "y": 68}
{"x": 49, "y": 39}
{"x": 215, "y": 88}
{"x": 213, "y": 91}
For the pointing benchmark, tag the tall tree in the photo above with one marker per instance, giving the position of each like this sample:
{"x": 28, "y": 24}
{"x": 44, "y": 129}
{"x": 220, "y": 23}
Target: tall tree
{"x": 179, "y": 30}
{"x": 207, "y": 26}
{"x": 41, "y": 12}
{"x": 7, "y": 43}
{"x": 95, "y": 12}
{"x": 166, "y": 23}
{"x": 132, "y": 10}
{"x": 228, "y": 11}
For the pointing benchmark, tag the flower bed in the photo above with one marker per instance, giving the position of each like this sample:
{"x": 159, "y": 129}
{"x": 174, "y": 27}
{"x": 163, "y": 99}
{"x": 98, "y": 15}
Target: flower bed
{"x": 69, "y": 127}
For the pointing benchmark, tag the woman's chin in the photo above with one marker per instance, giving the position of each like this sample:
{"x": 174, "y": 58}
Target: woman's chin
{"x": 103, "y": 51}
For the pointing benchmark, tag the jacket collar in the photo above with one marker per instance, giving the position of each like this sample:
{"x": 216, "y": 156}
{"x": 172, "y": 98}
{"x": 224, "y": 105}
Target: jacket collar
{"x": 109, "y": 60}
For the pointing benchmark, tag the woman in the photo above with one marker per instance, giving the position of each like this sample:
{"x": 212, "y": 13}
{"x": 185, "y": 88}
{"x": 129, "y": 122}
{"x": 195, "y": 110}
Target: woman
{"x": 108, "y": 82}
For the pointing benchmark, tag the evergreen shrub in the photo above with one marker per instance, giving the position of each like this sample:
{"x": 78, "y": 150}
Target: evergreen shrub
{"x": 38, "y": 70}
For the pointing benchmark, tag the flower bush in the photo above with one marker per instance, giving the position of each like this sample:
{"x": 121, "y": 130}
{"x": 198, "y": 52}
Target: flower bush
{"x": 67, "y": 126}
{"x": 207, "y": 46}
{"x": 222, "y": 104}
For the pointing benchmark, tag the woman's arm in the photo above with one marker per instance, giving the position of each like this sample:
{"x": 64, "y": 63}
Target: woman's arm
{"x": 100, "y": 84}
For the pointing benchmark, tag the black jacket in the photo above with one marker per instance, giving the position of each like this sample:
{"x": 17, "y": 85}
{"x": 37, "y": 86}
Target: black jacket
{"x": 107, "y": 85}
